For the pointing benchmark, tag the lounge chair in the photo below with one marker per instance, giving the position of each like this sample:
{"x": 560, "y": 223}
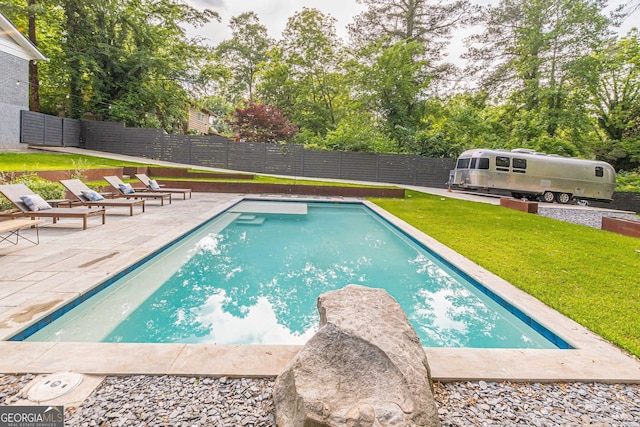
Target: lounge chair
{"x": 149, "y": 183}
{"x": 88, "y": 197}
{"x": 20, "y": 196}
{"x": 126, "y": 190}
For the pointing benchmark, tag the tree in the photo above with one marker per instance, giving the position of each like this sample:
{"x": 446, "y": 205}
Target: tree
{"x": 75, "y": 44}
{"x": 359, "y": 132}
{"x": 614, "y": 94}
{"x": 245, "y": 51}
{"x": 261, "y": 123}
{"x": 391, "y": 84}
{"x": 162, "y": 58}
{"x": 429, "y": 22}
{"x": 529, "y": 54}
{"x": 303, "y": 76}
{"x": 40, "y": 21}
{"x": 528, "y": 44}
{"x": 128, "y": 61}
{"x": 276, "y": 86}
{"x": 34, "y": 81}
{"x": 626, "y": 9}
{"x": 461, "y": 122}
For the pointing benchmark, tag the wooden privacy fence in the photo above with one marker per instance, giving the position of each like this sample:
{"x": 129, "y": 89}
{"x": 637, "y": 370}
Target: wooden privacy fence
{"x": 42, "y": 129}
{"x": 219, "y": 152}
{"x": 278, "y": 159}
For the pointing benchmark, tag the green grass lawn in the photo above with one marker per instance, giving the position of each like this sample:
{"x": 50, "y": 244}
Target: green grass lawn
{"x": 28, "y": 162}
{"x": 264, "y": 179}
{"x": 589, "y": 275}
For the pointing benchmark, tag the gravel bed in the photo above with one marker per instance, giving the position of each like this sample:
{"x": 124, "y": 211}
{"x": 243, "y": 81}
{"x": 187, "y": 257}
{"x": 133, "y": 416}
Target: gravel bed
{"x": 186, "y": 401}
{"x": 10, "y": 386}
{"x": 535, "y": 404}
{"x": 588, "y": 217}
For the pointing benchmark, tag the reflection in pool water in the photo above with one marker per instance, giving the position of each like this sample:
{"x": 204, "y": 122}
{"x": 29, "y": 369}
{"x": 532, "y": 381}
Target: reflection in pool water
{"x": 253, "y": 275}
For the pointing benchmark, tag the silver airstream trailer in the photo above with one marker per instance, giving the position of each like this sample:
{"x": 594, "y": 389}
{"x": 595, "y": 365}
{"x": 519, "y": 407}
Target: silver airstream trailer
{"x": 536, "y": 176}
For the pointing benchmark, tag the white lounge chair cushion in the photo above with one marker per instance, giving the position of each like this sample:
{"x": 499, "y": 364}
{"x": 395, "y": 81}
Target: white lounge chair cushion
{"x": 126, "y": 188}
{"x": 153, "y": 184}
{"x": 35, "y": 202}
{"x": 94, "y": 196}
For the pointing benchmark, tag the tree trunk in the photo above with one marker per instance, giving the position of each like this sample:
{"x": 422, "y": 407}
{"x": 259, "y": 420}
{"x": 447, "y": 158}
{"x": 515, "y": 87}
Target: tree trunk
{"x": 34, "y": 82}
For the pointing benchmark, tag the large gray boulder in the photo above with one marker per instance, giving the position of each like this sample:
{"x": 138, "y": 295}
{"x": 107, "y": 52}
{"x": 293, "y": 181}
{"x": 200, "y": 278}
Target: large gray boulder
{"x": 364, "y": 367}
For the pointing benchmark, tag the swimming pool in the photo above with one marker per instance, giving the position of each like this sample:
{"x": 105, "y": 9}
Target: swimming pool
{"x": 253, "y": 274}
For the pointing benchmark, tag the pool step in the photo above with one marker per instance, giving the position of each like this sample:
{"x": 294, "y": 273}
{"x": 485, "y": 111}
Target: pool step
{"x": 244, "y": 217}
{"x": 262, "y": 207}
{"x": 250, "y": 220}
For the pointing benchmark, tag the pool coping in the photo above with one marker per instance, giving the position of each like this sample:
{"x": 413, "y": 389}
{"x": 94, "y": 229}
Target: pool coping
{"x": 593, "y": 358}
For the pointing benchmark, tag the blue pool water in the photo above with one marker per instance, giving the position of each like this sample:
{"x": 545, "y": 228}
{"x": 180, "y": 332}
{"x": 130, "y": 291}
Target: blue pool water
{"x": 252, "y": 275}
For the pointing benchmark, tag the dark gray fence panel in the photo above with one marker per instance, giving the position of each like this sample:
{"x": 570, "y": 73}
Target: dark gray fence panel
{"x": 208, "y": 150}
{"x": 103, "y": 136}
{"x": 157, "y": 146}
{"x": 283, "y": 159}
{"x": 359, "y": 166}
{"x": 247, "y": 156}
{"x": 433, "y": 172}
{"x": 175, "y": 148}
{"x": 397, "y": 168}
{"x": 31, "y": 127}
{"x": 219, "y": 152}
{"x": 52, "y": 131}
{"x": 321, "y": 164}
{"x": 625, "y": 201}
{"x": 141, "y": 142}
{"x": 40, "y": 129}
{"x": 71, "y": 132}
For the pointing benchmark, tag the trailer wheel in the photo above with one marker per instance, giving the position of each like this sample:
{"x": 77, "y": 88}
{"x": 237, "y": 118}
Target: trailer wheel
{"x": 548, "y": 197}
{"x": 564, "y": 198}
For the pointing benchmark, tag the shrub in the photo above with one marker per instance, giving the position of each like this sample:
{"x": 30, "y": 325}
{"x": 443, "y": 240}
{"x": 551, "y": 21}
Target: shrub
{"x": 46, "y": 189}
{"x": 628, "y": 181}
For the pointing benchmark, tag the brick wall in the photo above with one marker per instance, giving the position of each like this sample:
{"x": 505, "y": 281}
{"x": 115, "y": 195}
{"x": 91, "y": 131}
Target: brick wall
{"x": 14, "y": 97}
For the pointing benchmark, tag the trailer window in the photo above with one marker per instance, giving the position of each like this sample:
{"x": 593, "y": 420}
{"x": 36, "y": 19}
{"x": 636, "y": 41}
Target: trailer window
{"x": 463, "y": 163}
{"x": 599, "y": 171}
{"x": 479, "y": 163}
{"x": 483, "y": 163}
{"x": 503, "y": 162}
{"x": 520, "y": 163}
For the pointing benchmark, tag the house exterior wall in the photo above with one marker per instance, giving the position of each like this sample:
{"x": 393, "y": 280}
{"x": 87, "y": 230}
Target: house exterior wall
{"x": 198, "y": 121}
{"x": 13, "y": 98}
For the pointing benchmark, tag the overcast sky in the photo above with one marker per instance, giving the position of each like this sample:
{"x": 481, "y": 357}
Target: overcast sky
{"x": 274, "y": 14}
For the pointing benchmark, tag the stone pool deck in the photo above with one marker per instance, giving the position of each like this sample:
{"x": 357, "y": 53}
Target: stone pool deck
{"x": 69, "y": 261}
